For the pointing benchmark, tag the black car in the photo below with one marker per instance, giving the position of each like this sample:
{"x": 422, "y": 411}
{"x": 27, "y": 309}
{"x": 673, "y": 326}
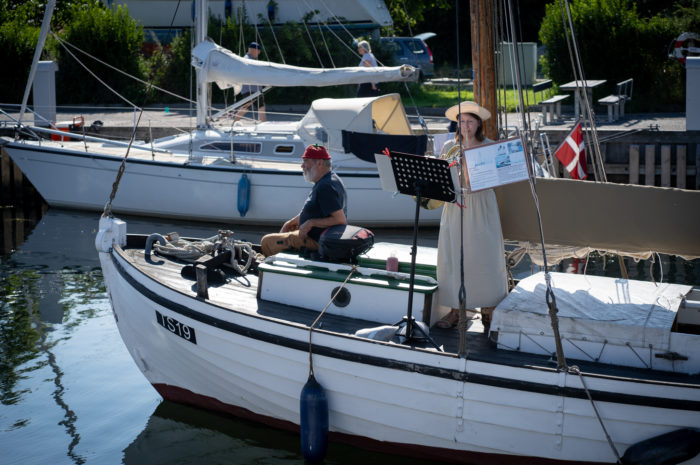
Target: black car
{"x": 410, "y": 51}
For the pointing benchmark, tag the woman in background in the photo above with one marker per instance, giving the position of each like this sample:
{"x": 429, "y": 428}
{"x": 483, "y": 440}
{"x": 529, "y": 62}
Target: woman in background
{"x": 367, "y": 89}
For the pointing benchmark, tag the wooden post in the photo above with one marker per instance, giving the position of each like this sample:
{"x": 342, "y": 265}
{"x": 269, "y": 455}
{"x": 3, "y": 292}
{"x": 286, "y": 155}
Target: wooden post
{"x": 634, "y": 164}
{"x": 483, "y": 62}
{"x": 6, "y": 226}
{"x": 18, "y": 187}
{"x": 665, "y": 166}
{"x": 697, "y": 166}
{"x": 680, "y": 166}
{"x": 5, "y": 174}
{"x": 649, "y": 165}
{"x": 202, "y": 285}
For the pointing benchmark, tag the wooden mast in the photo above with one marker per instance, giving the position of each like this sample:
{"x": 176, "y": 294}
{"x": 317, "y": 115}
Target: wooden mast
{"x": 483, "y": 61}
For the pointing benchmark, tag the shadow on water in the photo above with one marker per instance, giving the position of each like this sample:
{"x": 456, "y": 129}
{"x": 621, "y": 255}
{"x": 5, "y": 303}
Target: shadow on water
{"x": 181, "y": 434}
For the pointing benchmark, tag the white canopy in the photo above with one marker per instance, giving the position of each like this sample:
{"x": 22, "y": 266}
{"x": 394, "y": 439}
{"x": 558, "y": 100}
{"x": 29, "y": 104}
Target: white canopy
{"x": 327, "y": 117}
{"x": 217, "y": 64}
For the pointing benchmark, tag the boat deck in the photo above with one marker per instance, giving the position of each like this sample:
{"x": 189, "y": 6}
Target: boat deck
{"x": 226, "y": 287}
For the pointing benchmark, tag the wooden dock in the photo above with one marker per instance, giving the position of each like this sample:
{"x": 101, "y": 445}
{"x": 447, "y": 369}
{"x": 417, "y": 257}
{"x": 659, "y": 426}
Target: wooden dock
{"x": 652, "y": 158}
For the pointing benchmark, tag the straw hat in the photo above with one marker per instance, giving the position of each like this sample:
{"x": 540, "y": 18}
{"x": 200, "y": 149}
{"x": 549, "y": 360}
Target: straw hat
{"x": 467, "y": 107}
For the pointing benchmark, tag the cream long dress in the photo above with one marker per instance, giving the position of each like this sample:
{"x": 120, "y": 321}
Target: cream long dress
{"x": 485, "y": 280}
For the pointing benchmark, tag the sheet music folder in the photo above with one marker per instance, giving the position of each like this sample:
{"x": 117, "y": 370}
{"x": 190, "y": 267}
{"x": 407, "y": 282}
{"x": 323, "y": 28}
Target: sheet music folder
{"x": 404, "y": 173}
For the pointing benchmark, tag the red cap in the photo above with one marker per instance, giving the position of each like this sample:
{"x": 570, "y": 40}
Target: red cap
{"x": 316, "y": 152}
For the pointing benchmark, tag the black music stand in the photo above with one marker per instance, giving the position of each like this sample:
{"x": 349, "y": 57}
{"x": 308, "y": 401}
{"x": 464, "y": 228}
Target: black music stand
{"x": 418, "y": 176}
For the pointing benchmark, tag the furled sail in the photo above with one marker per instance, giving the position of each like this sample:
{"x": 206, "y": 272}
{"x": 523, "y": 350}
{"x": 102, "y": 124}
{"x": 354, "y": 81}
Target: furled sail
{"x": 217, "y": 64}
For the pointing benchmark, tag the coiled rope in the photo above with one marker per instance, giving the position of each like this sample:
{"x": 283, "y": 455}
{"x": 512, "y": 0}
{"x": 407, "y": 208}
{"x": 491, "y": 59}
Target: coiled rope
{"x": 242, "y": 253}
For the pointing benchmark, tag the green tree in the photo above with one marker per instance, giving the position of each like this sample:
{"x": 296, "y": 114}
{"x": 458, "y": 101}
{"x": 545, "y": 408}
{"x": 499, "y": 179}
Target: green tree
{"x": 407, "y": 14}
{"x": 17, "y": 44}
{"x": 615, "y": 43}
{"x": 113, "y": 37}
{"x": 20, "y": 22}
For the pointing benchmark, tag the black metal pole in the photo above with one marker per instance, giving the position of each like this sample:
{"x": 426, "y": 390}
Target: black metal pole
{"x": 414, "y": 252}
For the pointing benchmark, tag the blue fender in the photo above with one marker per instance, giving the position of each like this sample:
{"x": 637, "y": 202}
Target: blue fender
{"x": 243, "y": 195}
{"x": 313, "y": 423}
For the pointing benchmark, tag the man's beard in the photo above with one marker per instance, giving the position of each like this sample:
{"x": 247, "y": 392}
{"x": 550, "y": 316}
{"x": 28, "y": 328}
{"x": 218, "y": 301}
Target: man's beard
{"x": 310, "y": 175}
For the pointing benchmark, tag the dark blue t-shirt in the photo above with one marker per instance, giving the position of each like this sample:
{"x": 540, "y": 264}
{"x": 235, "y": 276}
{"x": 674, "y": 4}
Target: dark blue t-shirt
{"x": 327, "y": 196}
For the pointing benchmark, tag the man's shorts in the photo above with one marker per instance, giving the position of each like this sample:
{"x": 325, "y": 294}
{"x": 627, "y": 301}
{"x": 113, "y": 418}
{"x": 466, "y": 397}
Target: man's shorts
{"x": 274, "y": 243}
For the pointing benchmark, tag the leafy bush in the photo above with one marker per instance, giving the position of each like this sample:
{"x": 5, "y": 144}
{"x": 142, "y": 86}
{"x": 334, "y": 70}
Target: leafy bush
{"x": 20, "y": 22}
{"x": 17, "y": 44}
{"x": 171, "y": 69}
{"x": 113, "y": 37}
{"x": 616, "y": 44}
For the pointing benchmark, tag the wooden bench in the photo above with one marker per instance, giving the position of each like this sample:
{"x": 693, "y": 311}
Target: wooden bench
{"x": 540, "y": 88}
{"x": 552, "y": 106}
{"x": 616, "y": 102}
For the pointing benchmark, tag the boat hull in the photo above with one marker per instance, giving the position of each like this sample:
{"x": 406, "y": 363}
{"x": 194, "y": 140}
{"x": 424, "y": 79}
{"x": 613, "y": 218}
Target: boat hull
{"x": 204, "y": 192}
{"x": 382, "y": 396}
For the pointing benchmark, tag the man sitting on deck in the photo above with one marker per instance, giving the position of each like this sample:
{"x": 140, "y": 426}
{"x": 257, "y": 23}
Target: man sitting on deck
{"x": 324, "y": 207}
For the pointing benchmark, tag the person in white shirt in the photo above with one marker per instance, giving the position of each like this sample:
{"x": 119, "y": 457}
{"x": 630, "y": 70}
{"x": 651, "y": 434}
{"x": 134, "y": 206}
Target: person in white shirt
{"x": 367, "y": 89}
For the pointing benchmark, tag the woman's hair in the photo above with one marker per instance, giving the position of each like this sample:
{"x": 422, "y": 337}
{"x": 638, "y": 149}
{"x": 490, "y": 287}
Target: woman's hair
{"x": 364, "y": 45}
{"x": 479, "y": 131}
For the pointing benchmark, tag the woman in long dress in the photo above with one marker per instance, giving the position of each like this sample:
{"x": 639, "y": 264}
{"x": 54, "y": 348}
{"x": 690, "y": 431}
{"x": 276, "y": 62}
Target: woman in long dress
{"x": 485, "y": 278}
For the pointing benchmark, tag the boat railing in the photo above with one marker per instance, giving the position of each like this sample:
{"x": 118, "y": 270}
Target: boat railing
{"x": 33, "y": 130}
{"x": 87, "y": 138}
{"x": 238, "y": 104}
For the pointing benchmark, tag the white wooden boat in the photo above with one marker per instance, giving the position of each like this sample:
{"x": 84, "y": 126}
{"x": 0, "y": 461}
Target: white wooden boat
{"x": 242, "y": 348}
{"x": 239, "y": 173}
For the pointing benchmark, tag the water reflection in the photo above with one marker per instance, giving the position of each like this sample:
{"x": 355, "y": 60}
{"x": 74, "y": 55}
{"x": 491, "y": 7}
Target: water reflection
{"x": 180, "y": 434}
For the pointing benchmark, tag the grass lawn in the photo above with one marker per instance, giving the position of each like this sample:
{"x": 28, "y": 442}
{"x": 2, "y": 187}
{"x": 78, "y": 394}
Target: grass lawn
{"x": 441, "y": 97}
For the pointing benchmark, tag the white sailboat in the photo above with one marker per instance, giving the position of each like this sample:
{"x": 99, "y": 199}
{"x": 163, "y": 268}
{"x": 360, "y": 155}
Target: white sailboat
{"x": 245, "y": 174}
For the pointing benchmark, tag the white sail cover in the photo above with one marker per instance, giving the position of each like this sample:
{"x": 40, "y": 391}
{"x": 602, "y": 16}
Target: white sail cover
{"x": 593, "y": 309}
{"x": 217, "y": 64}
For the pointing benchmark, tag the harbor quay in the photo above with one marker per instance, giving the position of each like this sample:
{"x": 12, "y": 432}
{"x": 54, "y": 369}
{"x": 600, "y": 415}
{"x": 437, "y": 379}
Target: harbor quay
{"x": 644, "y": 148}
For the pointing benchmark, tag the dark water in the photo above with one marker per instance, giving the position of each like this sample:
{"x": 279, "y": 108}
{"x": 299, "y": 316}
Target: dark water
{"x": 69, "y": 391}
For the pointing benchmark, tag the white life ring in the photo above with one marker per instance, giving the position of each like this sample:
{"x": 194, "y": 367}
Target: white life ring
{"x": 687, "y": 44}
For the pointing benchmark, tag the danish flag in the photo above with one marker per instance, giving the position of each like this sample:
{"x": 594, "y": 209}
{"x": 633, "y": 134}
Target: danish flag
{"x": 572, "y": 153}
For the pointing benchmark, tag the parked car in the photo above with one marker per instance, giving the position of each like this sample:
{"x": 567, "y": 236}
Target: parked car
{"x": 410, "y": 51}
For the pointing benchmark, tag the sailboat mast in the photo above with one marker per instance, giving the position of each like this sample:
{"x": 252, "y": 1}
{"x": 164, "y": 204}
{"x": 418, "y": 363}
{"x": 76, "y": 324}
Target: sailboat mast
{"x": 201, "y": 18}
{"x": 483, "y": 61}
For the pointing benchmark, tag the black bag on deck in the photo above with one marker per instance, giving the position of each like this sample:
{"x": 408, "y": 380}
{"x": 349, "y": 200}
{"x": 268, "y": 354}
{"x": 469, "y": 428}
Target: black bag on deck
{"x": 344, "y": 242}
